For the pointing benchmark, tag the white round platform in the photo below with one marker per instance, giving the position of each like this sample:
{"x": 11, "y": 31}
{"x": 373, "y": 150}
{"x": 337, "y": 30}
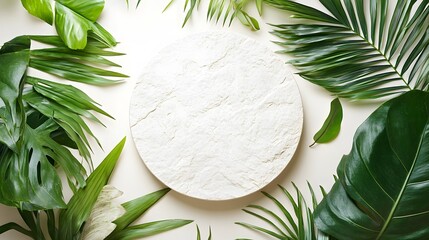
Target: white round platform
{"x": 216, "y": 116}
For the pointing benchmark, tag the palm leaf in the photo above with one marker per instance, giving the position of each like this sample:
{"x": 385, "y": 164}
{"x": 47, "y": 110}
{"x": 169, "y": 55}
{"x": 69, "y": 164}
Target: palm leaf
{"x": 40, "y": 119}
{"x": 223, "y": 10}
{"x": 296, "y": 224}
{"x": 135, "y": 209}
{"x": 79, "y": 208}
{"x": 199, "y": 233}
{"x": 348, "y": 51}
{"x": 382, "y": 188}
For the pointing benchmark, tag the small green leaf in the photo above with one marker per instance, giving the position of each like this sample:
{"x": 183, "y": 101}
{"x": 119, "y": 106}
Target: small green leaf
{"x": 332, "y": 125}
{"x": 135, "y": 208}
{"x": 39, "y": 8}
{"x": 148, "y": 229}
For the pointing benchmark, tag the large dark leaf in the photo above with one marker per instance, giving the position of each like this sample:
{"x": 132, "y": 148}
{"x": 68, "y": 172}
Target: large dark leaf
{"x": 384, "y": 182}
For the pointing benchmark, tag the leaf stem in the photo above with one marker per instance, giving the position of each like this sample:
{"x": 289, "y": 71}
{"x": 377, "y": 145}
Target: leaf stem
{"x": 384, "y": 56}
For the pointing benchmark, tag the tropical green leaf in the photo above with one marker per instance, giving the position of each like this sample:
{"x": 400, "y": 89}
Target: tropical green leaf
{"x": 40, "y": 120}
{"x": 73, "y": 20}
{"x": 148, "y": 229}
{"x": 80, "y": 205}
{"x": 382, "y": 183}
{"x": 229, "y": 9}
{"x": 332, "y": 125}
{"x": 296, "y": 224}
{"x": 199, "y": 233}
{"x": 14, "y": 226}
{"x": 348, "y": 51}
{"x": 39, "y": 8}
{"x": 137, "y": 207}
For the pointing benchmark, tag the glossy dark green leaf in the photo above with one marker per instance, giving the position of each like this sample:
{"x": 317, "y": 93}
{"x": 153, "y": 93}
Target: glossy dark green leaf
{"x": 382, "y": 183}
{"x": 81, "y": 204}
{"x": 358, "y": 62}
{"x": 332, "y": 125}
{"x": 40, "y": 119}
{"x": 39, "y": 8}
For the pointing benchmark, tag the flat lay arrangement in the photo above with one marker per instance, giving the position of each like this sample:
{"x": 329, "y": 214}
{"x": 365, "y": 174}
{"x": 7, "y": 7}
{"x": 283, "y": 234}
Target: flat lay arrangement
{"x": 217, "y": 119}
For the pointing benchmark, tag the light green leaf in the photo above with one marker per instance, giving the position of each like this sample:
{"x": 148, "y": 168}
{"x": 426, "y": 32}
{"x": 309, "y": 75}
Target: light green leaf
{"x": 381, "y": 189}
{"x": 148, "y": 229}
{"x": 137, "y": 207}
{"x": 259, "y": 6}
{"x": 332, "y": 125}
{"x": 81, "y": 204}
{"x": 73, "y": 20}
{"x": 39, "y": 8}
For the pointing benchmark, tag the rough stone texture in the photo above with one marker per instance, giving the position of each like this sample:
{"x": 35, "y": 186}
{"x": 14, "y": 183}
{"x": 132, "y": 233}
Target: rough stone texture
{"x": 216, "y": 116}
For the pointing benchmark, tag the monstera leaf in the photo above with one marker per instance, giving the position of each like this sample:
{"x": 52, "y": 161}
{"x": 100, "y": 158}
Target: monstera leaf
{"x": 41, "y": 120}
{"x": 73, "y": 19}
{"x": 383, "y": 183}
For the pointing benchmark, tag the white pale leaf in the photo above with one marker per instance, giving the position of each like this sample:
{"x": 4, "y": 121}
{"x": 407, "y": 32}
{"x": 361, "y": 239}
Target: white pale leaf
{"x": 100, "y": 222}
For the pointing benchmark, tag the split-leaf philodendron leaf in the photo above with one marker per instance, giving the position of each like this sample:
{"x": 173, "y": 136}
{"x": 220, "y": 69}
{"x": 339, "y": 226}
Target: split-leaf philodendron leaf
{"x": 73, "y": 19}
{"x": 382, "y": 186}
{"x": 40, "y": 119}
{"x": 332, "y": 125}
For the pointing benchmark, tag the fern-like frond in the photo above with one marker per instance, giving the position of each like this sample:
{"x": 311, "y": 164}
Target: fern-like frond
{"x": 296, "y": 224}
{"x": 223, "y": 11}
{"x": 356, "y": 50}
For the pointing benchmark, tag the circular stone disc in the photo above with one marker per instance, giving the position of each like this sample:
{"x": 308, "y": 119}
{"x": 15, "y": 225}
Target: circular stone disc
{"x": 216, "y": 116}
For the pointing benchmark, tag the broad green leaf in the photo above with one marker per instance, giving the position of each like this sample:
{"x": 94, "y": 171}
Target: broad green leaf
{"x": 39, "y": 8}
{"x": 73, "y": 20}
{"x": 382, "y": 188}
{"x": 332, "y": 125}
{"x": 148, "y": 229}
{"x": 40, "y": 119}
{"x": 137, "y": 207}
{"x": 81, "y": 204}
{"x": 12, "y": 115}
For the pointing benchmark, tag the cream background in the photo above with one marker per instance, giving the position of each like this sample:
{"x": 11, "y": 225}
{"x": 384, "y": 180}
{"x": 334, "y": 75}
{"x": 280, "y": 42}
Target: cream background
{"x": 142, "y": 33}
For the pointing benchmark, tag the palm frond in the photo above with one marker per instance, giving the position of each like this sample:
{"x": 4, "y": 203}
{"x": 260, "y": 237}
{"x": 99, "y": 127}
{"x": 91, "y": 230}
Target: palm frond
{"x": 41, "y": 119}
{"x": 199, "y": 233}
{"x": 359, "y": 53}
{"x": 296, "y": 224}
{"x": 224, "y": 11}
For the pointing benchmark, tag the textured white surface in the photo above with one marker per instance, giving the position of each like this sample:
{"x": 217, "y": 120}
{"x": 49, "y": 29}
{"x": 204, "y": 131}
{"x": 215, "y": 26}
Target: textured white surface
{"x": 216, "y": 116}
